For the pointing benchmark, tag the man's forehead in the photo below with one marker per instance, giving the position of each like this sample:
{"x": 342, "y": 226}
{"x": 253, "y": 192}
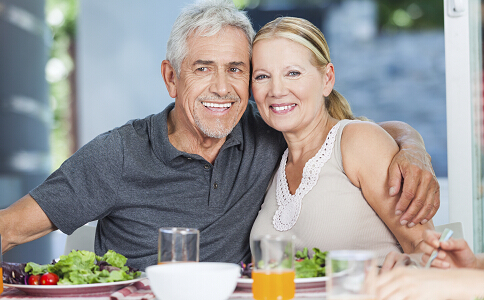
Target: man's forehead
{"x": 228, "y": 41}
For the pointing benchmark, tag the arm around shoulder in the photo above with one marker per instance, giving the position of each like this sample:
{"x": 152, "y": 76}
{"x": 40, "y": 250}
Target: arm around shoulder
{"x": 403, "y": 134}
{"x": 367, "y": 152}
{"x": 22, "y": 222}
{"x": 420, "y": 198}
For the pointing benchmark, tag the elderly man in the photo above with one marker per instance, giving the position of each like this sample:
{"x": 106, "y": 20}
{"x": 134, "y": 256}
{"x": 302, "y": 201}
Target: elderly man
{"x": 204, "y": 162}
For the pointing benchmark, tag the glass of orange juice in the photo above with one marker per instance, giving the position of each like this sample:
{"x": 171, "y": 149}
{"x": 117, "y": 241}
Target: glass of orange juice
{"x": 352, "y": 274}
{"x": 273, "y": 271}
{"x": 178, "y": 245}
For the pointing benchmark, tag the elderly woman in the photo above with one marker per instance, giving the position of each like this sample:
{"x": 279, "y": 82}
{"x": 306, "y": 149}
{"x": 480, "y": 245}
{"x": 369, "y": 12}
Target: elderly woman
{"x": 330, "y": 190}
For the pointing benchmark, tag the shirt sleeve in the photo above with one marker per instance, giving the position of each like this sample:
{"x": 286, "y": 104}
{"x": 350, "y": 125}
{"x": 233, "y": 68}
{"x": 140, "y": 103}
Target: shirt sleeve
{"x": 83, "y": 189}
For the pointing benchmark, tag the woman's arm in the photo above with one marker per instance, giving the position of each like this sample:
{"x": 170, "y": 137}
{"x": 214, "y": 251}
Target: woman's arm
{"x": 367, "y": 152}
{"x": 420, "y": 197}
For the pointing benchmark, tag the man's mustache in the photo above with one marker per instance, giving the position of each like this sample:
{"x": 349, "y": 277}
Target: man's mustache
{"x": 228, "y": 97}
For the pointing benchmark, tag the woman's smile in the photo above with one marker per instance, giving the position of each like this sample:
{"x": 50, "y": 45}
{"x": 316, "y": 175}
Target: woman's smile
{"x": 282, "y": 108}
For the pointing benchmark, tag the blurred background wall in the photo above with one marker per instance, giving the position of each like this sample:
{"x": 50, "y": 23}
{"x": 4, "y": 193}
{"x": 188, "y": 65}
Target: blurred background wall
{"x": 25, "y": 114}
{"x": 121, "y": 45}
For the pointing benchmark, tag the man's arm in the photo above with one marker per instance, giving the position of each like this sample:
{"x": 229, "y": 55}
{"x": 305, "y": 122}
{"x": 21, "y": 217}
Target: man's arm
{"x": 22, "y": 222}
{"x": 420, "y": 198}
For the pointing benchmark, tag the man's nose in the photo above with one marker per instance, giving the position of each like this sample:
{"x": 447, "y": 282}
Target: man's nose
{"x": 220, "y": 84}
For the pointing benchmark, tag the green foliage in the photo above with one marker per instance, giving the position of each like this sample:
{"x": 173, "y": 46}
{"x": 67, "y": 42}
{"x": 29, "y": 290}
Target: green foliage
{"x": 410, "y": 14}
{"x": 61, "y": 18}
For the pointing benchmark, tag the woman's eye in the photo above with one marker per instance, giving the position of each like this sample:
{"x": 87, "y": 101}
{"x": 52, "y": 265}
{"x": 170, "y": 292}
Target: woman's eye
{"x": 294, "y": 73}
{"x": 260, "y": 77}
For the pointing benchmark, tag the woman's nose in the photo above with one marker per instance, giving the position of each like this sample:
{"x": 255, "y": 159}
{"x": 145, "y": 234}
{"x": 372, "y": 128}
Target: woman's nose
{"x": 278, "y": 88}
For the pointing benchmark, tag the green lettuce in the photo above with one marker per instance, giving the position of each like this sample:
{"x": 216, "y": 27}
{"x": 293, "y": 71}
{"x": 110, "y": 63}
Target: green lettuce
{"x": 113, "y": 258}
{"x": 306, "y": 267}
{"x": 83, "y": 267}
{"x": 35, "y": 269}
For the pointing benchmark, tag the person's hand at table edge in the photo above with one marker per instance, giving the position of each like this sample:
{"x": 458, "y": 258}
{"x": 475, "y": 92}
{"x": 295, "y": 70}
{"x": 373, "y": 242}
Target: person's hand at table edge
{"x": 454, "y": 253}
{"x": 396, "y": 259}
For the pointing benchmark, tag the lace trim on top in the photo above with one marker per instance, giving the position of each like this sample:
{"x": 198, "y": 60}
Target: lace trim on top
{"x": 290, "y": 205}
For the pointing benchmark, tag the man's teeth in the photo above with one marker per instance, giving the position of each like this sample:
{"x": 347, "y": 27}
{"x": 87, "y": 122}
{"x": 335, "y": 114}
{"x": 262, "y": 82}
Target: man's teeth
{"x": 217, "y": 105}
{"x": 281, "y": 108}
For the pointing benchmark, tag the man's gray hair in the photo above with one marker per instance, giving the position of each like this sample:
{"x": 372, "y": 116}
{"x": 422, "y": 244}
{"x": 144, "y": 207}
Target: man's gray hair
{"x": 206, "y": 17}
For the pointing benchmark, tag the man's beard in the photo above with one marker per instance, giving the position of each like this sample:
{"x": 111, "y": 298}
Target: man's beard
{"x": 218, "y": 130}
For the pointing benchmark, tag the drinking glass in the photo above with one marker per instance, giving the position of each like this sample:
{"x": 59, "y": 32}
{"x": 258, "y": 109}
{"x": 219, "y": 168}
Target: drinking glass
{"x": 273, "y": 271}
{"x": 352, "y": 274}
{"x": 178, "y": 245}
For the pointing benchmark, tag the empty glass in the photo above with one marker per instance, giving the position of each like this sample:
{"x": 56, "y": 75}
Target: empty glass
{"x": 352, "y": 274}
{"x": 178, "y": 245}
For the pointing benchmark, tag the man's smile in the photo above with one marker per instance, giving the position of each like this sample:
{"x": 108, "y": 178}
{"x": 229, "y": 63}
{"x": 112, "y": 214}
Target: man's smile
{"x": 217, "y": 105}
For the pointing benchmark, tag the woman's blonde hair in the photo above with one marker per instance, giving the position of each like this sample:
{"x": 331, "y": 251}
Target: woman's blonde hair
{"x": 305, "y": 33}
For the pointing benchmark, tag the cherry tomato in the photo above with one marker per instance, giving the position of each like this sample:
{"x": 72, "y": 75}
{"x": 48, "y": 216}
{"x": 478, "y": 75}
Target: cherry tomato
{"x": 49, "y": 279}
{"x": 34, "y": 280}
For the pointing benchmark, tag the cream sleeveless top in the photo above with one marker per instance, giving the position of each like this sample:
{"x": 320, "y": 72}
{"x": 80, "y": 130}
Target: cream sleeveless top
{"x": 327, "y": 211}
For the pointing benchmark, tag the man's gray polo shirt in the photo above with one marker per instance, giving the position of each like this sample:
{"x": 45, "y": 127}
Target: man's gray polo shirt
{"x": 134, "y": 181}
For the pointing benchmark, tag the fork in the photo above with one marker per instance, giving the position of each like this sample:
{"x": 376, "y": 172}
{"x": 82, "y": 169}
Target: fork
{"x": 444, "y": 237}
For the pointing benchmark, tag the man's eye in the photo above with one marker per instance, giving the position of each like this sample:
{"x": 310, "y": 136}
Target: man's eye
{"x": 235, "y": 70}
{"x": 202, "y": 69}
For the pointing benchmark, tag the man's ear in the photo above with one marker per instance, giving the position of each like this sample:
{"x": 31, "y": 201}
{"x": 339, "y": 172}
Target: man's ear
{"x": 169, "y": 76}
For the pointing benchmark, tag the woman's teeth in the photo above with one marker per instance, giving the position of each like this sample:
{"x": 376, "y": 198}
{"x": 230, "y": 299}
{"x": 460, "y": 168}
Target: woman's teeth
{"x": 217, "y": 105}
{"x": 281, "y": 108}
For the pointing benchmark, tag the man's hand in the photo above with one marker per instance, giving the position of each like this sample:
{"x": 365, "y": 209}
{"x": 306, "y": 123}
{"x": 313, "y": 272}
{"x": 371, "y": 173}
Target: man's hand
{"x": 420, "y": 194}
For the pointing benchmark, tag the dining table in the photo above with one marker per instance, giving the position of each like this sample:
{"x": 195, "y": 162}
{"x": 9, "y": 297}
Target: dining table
{"x": 140, "y": 290}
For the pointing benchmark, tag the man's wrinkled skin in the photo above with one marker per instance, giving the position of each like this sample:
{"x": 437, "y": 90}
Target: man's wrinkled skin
{"x": 420, "y": 196}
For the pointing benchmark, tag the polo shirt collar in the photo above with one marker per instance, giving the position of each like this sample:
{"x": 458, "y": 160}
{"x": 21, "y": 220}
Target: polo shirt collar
{"x": 166, "y": 152}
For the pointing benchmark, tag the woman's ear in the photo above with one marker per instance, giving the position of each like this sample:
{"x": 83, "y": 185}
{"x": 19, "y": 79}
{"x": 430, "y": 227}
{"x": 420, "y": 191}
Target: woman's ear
{"x": 328, "y": 79}
{"x": 169, "y": 76}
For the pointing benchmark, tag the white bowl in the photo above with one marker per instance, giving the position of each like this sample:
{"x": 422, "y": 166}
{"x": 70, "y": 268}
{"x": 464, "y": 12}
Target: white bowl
{"x": 187, "y": 281}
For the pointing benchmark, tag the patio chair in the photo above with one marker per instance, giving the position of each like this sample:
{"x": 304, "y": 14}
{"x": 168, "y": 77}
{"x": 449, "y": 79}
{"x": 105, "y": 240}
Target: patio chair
{"x": 456, "y": 227}
{"x": 81, "y": 239}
